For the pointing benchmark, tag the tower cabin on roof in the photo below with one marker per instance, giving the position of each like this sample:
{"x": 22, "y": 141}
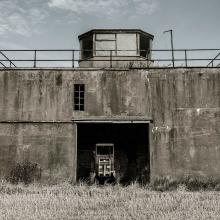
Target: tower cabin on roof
{"x": 115, "y": 48}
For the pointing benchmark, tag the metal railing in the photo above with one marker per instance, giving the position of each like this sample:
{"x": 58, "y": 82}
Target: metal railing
{"x": 74, "y": 58}
{"x": 214, "y": 59}
{"x": 7, "y": 60}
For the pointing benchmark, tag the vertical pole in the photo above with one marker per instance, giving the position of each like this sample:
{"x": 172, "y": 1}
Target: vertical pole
{"x": 75, "y": 168}
{"x": 186, "y": 58}
{"x": 171, "y": 34}
{"x": 111, "y": 59}
{"x": 150, "y": 151}
{"x": 73, "y": 59}
{"x": 35, "y": 57}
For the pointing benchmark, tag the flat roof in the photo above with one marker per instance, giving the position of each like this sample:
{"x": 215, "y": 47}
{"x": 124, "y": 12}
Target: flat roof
{"x": 114, "y": 31}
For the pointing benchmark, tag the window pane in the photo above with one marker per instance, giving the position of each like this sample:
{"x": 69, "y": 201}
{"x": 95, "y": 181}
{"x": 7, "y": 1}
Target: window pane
{"x": 103, "y": 48}
{"x": 82, "y": 107}
{"x": 76, "y": 87}
{"x": 144, "y": 45}
{"x": 104, "y": 150}
{"x": 81, "y": 87}
{"x": 127, "y": 42}
{"x": 76, "y": 107}
{"x": 76, "y": 101}
{"x": 87, "y": 47}
{"x": 76, "y": 94}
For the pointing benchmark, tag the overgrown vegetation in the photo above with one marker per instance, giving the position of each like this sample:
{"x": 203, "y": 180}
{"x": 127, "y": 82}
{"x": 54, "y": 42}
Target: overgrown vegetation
{"x": 189, "y": 183}
{"x": 25, "y": 172}
{"x": 81, "y": 201}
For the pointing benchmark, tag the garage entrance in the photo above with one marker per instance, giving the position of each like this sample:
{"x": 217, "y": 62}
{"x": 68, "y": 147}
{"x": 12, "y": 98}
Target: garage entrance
{"x": 131, "y": 149}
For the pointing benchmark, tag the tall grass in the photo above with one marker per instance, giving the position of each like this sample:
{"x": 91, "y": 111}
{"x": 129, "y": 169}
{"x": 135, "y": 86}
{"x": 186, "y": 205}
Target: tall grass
{"x": 189, "y": 183}
{"x": 66, "y": 201}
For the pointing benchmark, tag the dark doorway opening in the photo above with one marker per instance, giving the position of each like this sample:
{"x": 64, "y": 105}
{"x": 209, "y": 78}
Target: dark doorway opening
{"x": 131, "y": 149}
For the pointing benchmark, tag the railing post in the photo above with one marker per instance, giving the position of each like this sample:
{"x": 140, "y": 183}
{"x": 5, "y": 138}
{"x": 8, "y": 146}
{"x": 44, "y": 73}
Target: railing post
{"x": 110, "y": 58}
{"x": 148, "y": 58}
{"x": 173, "y": 58}
{"x": 186, "y": 64}
{"x": 35, "y": 58}
{"x": 212, "y": 63}
{"x": 73, "y": 59}
{"x": 172, "y": 48}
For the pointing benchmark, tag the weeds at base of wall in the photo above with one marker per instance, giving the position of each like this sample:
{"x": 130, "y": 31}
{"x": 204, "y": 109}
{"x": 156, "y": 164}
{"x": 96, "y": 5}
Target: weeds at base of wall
{"x": 168, "y": 184}
{"x": 160, "y": 185}
{"x": 185, "y": 183}
{"x": 25, "y": 172}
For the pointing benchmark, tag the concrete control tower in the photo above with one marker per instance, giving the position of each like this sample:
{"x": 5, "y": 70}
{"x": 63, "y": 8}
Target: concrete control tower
{"x": 115, "y": 48}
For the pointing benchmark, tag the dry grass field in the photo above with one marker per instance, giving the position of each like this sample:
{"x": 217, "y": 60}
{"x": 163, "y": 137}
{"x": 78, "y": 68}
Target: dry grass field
{"x": 65, "y": 201}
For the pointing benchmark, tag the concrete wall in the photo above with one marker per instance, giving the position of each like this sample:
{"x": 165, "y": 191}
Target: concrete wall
{"x": 36, "y": 109}
{"x": 116, "y": 62}
{"x": 52, "y": 146}
{"x": 47, "y": 95}
{"x": 186, "y": 130}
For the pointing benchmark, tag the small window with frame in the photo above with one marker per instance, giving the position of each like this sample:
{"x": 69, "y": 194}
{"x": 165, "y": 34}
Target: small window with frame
{"x": 79, "y": 97}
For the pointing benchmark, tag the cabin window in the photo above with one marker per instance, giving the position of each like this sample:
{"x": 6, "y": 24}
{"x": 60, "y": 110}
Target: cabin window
{"x": 87, "y": 47}
{"x": 79, "y": 97}
{"x": 105, "y": 44}
{"x": 144, "y": 46}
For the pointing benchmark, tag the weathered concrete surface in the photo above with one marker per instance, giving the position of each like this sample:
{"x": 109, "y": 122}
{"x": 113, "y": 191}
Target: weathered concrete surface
{"x": 186, "y": 113}
{"x": 49, "y": 145}
{"x": 116, "y": 62}
{"x": 184, "y": 105}
{"x": 31, "y": 95}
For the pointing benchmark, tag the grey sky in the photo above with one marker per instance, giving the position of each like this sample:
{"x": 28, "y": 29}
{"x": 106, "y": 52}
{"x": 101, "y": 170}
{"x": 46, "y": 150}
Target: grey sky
{"x": 45, "y": 24}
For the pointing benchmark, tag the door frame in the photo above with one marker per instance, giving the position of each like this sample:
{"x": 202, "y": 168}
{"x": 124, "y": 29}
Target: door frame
{"x": 85, "y": 121}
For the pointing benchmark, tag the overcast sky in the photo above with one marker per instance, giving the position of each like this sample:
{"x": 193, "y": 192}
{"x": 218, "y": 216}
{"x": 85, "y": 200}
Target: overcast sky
{"x": 56, "y": 24}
